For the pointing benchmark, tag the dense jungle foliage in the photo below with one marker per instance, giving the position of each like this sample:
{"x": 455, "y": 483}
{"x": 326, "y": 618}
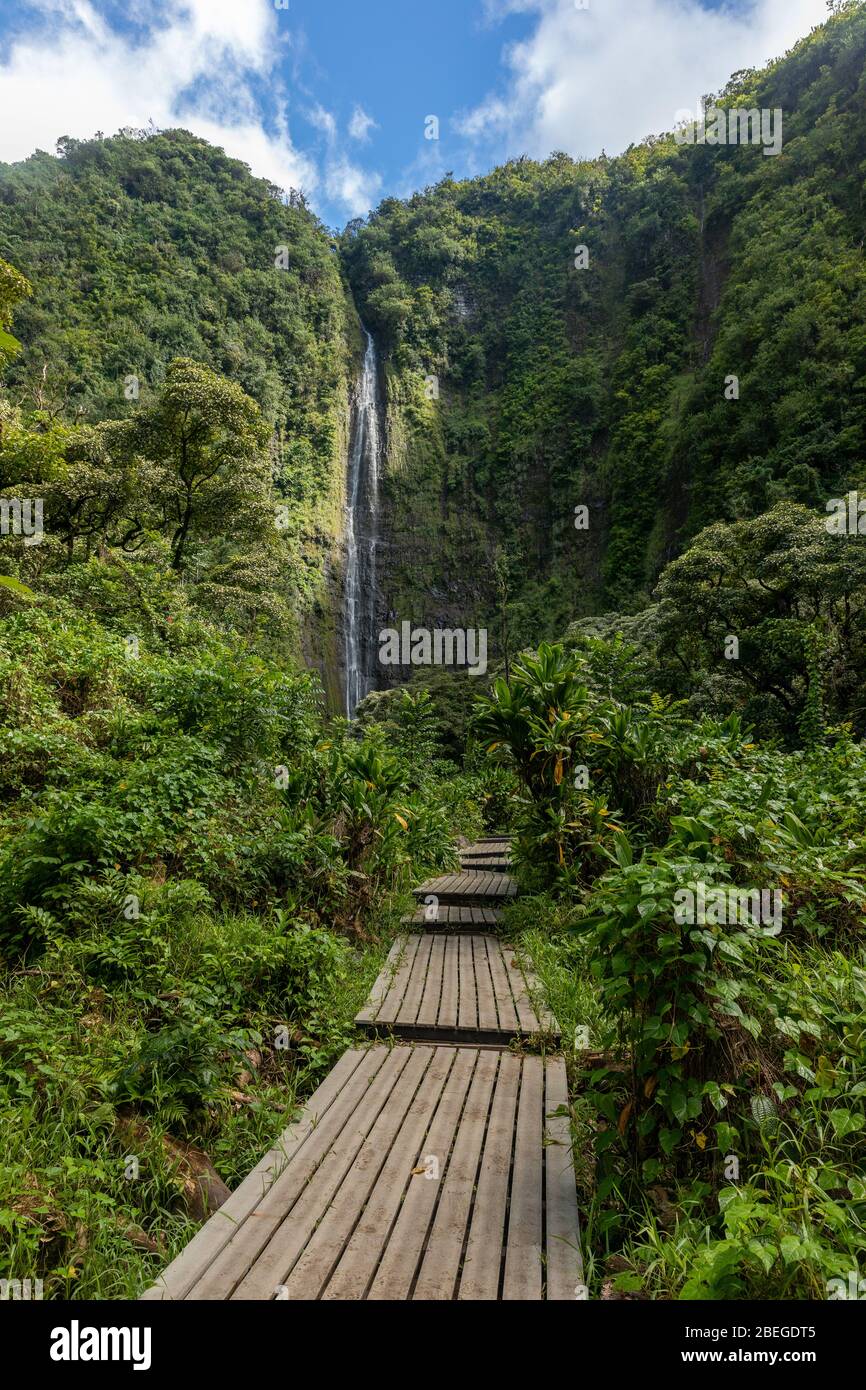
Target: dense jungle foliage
{"x": 719, "y": 1054}
{"x": 143, "y": 249}
{"x": 201, "y": 869}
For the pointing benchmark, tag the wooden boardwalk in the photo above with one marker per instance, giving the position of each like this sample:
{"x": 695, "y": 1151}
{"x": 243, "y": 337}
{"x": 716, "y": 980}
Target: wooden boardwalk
{"x": 464, "y": 988}
{"x": 468, "y": 887}
{"x": 486, "y": 851}
{"x": 425, "y": 1173}
{"x": 434, "y": 1167}
{"x": 444, "y": 917}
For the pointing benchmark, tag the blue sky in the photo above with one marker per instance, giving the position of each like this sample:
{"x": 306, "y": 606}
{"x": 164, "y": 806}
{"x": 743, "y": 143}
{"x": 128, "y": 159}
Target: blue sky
{"x": 332, "y": 95}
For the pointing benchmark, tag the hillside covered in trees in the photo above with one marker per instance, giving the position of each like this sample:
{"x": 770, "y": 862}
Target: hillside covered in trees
{"x": 603, "y": 384}
{"x": 141, "y": 249}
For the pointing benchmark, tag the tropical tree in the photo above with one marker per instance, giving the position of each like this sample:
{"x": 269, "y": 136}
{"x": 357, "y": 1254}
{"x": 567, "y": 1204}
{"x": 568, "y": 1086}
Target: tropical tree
{"x": 208, "y": 441}
{"x": 13, "y": 288}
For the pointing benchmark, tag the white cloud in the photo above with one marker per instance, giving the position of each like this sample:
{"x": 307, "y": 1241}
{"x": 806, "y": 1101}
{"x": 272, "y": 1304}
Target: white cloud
{"x": 361, "y": 124}
{"x": 354, "y": 188}
{"x": 609, "y": 75}
{"x": 70, "y": 73}
{"x": 323, "y": 120}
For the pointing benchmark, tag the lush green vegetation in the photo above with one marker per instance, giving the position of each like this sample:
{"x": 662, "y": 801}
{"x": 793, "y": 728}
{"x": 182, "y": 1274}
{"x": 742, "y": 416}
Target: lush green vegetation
{"x": 197, "y": 882}
{"x": 143, "y": 249}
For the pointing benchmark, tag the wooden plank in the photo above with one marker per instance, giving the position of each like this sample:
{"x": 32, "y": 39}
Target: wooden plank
{"x": 449, "y": 1003}
{"x": 393, "y": 1278}
{"x": 417, "y": 981}
{"x": 431, "y": 887}
{"x": 288, "y": 1241}
{"x": 482, "y": 1262}
{"x": 176, "y": 1281}
{"x": 468, "y": 1005}
{"x": 523, "y": 1271}
{"x": 488, "y": 1011}
{"x": 428, "y": 1009}
{"x": 468, "y": 888}
{"x": 455, "y": 917}
{"x": 391, "y": 1004}
{"x": 438, "y": 1275}
{"x": 383, "y": 983}
{"x": 348, "y": 1217}
{"x": 502, "y": 988}
{"x": 450, "y": 881}
{"x": 361, "y": 1256}
{"x": 459, "y": 989}
{"x": 564, "y": 1266}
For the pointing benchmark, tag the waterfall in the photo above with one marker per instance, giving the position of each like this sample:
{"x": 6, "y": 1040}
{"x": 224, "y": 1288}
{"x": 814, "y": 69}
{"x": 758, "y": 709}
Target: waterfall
{"x": 362, "y": 520}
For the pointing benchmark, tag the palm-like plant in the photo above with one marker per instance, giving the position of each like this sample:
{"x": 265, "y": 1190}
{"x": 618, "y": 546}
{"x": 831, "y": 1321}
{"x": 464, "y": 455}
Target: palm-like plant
{"x": 540, "y": 720}
{"x": 544, "y": 722}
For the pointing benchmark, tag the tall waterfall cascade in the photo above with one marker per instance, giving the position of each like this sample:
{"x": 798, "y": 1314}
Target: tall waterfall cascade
{"x": 361, "y": 534}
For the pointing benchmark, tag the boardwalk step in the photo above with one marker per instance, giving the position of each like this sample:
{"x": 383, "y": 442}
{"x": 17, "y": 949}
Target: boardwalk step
{"x": 455, "y": 988}
{"x": 444, "y": 917}
{"x": 428, "y": 1173}
{"x": 468, "y": 887}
